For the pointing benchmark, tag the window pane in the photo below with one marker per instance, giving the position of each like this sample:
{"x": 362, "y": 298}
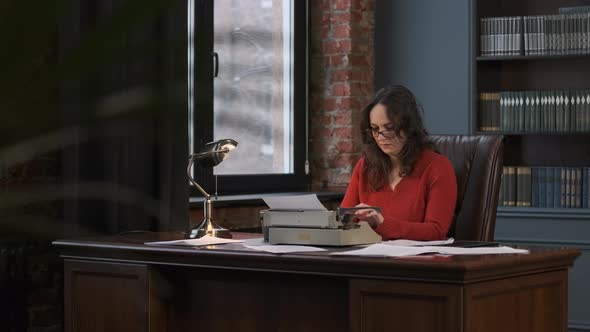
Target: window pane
{"x": 253, "y": 92}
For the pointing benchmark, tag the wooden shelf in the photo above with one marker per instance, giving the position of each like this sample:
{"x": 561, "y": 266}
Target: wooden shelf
{"x": 548, "y": 57}
{"x": 545, "y": 213}
{"x": 536, "y": 133}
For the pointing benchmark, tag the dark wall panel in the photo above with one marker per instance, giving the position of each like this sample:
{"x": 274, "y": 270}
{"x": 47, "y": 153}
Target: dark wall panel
{"x": 425, "y": 45}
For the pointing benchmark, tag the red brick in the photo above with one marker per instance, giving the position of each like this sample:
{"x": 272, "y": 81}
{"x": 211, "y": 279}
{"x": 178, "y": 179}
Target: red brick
{"x": 338, "y": 60}
{"x": 331, "y": 47}
{"x": 342, "y": 4}
{"x": 337, "y": 47}
{"x": 341, "y": 75}
{"x": 346, "y": 45}
{"x": 359, "y": 4}
{"x": 357, "y": 16}
{"x": 341, "y": 89}
{"x": 345, "y": 147}
{"x": 342, "y": 160}
{"x": 361, "y": 46}
{"x": 344, "y": 133}
{"x": 342, "y": 31}
{"x": 358, "y": 61}
{"x": 318, "y": 148}
{"x": 360, "y": 75}
{"x": 324, "y": 32}
{"x": 330, "y": 104}
{"x": 348, "y": 103}
{"x": 346, "y": 17}
{"x": 361, "y": 89}
{"x": 367, "y": 5}
{"x": 342, "y": 118}
{"x": 325, "y": 132}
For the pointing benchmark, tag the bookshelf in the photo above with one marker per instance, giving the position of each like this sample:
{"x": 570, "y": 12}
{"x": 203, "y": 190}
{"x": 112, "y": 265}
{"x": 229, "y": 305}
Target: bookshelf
{"x": 442, "y": 63}
{"x": 511, "y": 69}
{"x": 527, "y": 51}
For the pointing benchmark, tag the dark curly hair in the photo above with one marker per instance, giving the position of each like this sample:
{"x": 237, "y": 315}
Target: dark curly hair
{"x": 405, "y": 114}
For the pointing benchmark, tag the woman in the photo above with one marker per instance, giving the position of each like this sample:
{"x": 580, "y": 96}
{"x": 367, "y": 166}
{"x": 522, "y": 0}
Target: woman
{"x": 400, "y": 172}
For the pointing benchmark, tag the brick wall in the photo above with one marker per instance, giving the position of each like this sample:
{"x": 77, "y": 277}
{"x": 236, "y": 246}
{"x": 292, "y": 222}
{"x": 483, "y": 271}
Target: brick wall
{"x": 341, "y": 83}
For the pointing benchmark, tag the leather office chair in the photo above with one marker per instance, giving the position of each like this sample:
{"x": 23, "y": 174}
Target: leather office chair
{"x": 478, "y": 162}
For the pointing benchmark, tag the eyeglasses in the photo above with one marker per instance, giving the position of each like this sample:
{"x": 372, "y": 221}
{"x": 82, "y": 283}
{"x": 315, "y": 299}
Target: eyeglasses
{"x": 374, "y": 132}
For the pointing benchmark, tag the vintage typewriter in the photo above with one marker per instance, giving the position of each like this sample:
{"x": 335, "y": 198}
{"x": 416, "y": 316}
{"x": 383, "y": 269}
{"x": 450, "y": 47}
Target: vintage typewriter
{"x": 327, "y": 228}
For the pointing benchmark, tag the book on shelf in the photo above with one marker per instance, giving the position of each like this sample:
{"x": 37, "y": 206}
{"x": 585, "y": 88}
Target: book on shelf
{"x": 489, "y": 115}
{"x": 576, "y": 9}
{"x": 556, "y": 183}
{"x": 578, "y": 188}
{"x": 507, "y": 186}
{"x": 565, "y": 187}
{"x": 545, "y": 187}
{"x": 585, "y": 187}
{"x": 501, "y": 36}
{"x": 550, "y": 186}
{"x": 523, "y": 186}
{"x": 552, "y": 34}
{"x": 535, "y": 111}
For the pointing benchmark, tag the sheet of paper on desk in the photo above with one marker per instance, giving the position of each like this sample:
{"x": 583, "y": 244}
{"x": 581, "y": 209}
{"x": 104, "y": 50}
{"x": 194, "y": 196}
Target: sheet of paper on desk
{"x": 385, "y": 250}
{"x": 295, "y": 202}
{"x": 418, "y": 243}
{"x": 202, "y": 241}
{"x": 380, "y": 249}
{"x": 478, "y": 250}
{"x": 282, "y": 248}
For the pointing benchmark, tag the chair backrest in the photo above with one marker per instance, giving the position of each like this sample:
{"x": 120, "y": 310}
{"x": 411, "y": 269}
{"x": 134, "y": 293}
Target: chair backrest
{"x": 478, "y": 161}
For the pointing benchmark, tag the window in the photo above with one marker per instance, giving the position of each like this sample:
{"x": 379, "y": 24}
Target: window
{"x": 247, "y": 81}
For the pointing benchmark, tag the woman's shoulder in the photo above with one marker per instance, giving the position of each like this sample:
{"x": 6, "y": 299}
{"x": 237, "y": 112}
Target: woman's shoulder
{"x": 360, "y": 164}
{"x": 430, "y": 157}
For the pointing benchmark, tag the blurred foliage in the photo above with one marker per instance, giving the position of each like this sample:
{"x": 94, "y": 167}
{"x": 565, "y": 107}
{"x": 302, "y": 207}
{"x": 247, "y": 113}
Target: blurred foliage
{"x": 34, "y": 65}
{"x": 42, "y": 54}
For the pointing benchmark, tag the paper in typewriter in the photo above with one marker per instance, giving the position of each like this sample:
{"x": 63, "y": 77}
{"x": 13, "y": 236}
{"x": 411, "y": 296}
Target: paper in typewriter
{"x": 295, "y": 202}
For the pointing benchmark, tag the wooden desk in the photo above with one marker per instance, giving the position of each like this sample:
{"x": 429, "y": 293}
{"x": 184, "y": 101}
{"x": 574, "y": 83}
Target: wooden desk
{"x": 119, "y": 284}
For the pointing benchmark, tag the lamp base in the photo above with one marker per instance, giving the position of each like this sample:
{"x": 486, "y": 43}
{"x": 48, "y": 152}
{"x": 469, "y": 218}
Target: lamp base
{"x": 208, "y": 227}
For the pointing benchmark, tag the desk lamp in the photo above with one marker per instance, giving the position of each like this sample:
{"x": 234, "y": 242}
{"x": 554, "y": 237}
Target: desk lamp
{"x": 211, "y": 155}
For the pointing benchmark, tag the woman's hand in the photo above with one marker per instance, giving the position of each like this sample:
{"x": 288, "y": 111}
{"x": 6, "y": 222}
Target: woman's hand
{"x": 372, "y": 217}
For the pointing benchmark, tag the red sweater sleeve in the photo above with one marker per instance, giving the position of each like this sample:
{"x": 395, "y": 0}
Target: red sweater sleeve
{"x": 352, "y": 197}
{"x": 422, "y": 205}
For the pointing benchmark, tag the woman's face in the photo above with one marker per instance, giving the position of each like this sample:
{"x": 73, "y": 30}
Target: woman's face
{"x": 383, "y": 133}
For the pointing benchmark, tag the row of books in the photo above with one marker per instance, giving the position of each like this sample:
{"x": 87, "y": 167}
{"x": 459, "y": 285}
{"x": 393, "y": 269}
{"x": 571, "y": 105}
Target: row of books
{"x": 535, "y": 35}
{"x": 535, "y": 111}
{"x": 501, "y": 36}
{"x": 551, "y": 187}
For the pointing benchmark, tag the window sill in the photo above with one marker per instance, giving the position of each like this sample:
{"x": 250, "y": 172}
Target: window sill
{"x": 257, "y": 199}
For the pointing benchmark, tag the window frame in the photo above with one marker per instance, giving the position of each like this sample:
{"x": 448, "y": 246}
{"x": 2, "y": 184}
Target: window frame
{"x": 203, "y": 113}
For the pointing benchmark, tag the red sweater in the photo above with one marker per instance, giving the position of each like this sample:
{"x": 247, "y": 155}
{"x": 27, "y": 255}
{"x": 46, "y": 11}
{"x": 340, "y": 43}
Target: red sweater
{"x": 421, "y": 206}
